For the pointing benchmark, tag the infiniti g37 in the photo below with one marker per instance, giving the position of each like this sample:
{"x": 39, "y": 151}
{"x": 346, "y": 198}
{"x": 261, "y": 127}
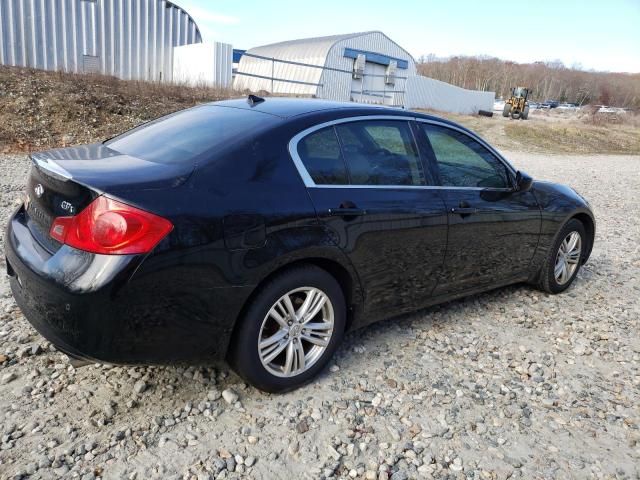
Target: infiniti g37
{"x": 261, "y": 231}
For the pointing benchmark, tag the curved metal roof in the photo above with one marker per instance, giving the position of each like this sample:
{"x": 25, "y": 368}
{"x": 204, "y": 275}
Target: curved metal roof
{"x": 171, "y": 4}
{"x": 312, "y": 50}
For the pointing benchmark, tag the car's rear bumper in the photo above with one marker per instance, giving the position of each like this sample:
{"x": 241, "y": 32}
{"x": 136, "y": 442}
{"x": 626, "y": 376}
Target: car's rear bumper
{"x": 119, "y": 309}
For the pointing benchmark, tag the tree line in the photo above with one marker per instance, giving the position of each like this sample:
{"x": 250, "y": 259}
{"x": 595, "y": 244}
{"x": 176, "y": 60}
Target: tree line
{"x": 548, "y": 80}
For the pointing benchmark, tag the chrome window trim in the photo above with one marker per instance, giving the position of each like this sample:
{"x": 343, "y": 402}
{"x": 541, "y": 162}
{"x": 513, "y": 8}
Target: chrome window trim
{"x": 293, "y": 145}
{"x": 414, "y": 187}
{"x": 309, "y": 183}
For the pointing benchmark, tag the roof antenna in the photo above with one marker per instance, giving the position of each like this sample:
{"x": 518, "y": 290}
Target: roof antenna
{"x": 254, "y": 100}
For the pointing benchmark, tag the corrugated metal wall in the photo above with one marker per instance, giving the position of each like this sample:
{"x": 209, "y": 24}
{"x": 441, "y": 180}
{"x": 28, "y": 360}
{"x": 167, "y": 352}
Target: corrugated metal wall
{"x": 255, "y": 73}
{"x": 424, "y": 92}
{"x": 131, "y": 39}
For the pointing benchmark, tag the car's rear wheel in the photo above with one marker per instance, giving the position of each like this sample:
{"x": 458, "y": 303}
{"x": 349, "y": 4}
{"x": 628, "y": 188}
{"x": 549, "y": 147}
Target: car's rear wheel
{"x": 565, "y": 258}
{"x": 290, "y": 330}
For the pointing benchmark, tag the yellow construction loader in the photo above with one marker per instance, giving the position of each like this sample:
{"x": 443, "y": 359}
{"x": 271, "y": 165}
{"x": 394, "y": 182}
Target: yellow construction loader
{"x": 517, "y": 106}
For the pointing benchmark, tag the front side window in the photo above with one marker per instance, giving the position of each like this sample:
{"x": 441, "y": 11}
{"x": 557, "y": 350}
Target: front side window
{"x": 321, "y": 156}
{"x": 463, "y": 162}
{"x": 380, "y": 152}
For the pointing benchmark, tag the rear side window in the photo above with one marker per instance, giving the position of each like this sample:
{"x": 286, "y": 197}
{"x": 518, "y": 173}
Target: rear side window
{"x": 320, "y": 153}
{"x": 463, "y": 162}
{"x": 189, "y": 135}
{"x": 381, "y": 152}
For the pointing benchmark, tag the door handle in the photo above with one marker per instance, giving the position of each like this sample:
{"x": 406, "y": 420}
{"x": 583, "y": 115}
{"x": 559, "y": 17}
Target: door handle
{"x": 464, "y": 210}
{"x": 346, "y": 212}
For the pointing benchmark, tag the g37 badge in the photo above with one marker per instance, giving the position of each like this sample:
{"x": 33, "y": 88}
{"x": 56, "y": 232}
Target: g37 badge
{"x": 67, "y": 207}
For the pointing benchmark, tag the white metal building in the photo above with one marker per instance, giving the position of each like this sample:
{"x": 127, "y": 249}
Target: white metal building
{"x": 365, "y": 67}
{"x": 130, "y": 39}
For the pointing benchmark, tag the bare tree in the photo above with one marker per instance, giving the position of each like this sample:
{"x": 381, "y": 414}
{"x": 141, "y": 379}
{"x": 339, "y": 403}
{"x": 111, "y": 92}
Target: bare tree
{"x": 548, "y": 80}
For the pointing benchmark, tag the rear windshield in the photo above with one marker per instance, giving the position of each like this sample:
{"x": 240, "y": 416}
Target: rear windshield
{"x": 188, "y": 136}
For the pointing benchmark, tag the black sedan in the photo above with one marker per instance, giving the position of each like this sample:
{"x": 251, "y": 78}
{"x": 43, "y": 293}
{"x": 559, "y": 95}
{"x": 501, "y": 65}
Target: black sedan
{"x": 261, "y": 230}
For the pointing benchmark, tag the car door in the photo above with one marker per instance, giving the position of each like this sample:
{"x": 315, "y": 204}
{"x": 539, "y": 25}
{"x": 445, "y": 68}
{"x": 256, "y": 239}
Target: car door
{"x": 493, "y": 229}
{"x": 370, "y": 188}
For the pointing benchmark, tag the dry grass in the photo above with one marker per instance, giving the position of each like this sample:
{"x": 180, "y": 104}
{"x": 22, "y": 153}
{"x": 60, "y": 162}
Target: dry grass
{"x": 41, "y": 109}
{"x": 557, "y": 132}
{"x": 576, "y": 138}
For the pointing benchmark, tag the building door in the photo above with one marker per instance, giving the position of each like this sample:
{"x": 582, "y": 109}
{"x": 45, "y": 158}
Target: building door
{"x": 371, "y": 85}
{"x": 88, "y": 33}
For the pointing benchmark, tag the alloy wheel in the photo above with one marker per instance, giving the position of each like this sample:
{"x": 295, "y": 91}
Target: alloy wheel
{"x": 296, "y": 332}
{"x": 568, "y": 258}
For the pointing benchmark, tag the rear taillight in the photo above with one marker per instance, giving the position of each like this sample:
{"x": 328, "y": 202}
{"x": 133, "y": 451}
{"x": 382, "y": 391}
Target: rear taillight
{"x": 110, "y": 227}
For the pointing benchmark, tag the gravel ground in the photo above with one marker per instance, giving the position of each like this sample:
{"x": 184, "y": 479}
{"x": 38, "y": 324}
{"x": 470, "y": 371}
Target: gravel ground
{"x": 509, "y": 384}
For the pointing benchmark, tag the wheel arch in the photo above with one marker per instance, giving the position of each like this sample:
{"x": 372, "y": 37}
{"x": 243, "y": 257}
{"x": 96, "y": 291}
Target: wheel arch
{"x": 550, "y": 235}
{"x": 590, "y": 227}
{"x": 346, "y": 278}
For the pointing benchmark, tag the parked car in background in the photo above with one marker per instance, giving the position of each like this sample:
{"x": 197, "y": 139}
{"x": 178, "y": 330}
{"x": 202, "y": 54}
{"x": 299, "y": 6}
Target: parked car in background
{"x": 606, "y": 109}
{"x": 261, "y": 231}
{"x": 550, "y": 104}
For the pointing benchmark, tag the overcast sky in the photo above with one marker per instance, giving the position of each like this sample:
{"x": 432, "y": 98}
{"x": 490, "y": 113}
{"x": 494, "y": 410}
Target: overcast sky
{"x": 596, "y": 34}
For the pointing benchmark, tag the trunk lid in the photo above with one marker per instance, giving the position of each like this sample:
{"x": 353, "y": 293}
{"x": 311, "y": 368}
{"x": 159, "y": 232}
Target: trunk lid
{"x": 99, "y": 167}
{"x": 63, "y": 182}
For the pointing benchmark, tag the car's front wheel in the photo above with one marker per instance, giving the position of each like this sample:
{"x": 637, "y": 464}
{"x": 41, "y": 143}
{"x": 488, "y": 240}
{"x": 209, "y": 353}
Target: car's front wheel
{"x": 290, "y": 330}
{"x": 564, "y": 259}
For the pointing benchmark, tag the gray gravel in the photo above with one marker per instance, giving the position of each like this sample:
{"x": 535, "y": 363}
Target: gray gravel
{"x": 509, "y": 384}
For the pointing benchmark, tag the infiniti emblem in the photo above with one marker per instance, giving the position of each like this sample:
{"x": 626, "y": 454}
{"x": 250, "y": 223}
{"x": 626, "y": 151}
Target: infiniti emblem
{"x": 39, "y": 190}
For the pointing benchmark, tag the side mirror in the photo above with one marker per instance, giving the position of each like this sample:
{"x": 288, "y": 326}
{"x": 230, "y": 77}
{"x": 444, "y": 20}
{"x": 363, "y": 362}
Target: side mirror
{"x": 523, "y": 182}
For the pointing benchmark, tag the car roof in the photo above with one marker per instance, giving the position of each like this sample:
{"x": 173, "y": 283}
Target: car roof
{"x": 286, "y": 108}
{"x": 290, "y": 107}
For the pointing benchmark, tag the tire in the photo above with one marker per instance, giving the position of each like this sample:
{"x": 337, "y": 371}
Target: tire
{"x": 525, "y": 113}
{"x": 506, "y": 110}
{"x": 548, "y": 280}
{"x": 515, "y": 114}
{"x": 259, "y": 324}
